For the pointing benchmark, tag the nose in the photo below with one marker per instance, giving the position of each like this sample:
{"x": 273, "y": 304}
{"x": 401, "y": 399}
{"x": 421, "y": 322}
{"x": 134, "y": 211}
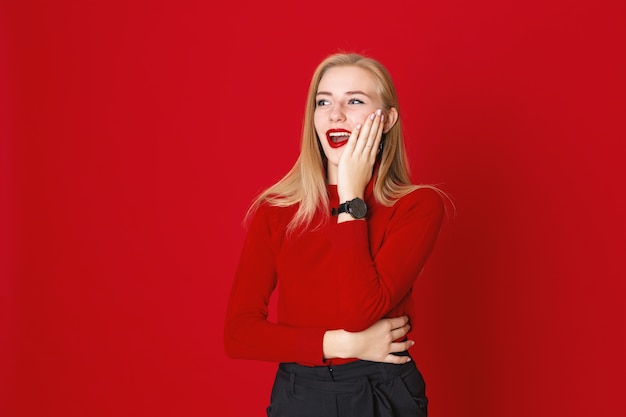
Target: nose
{"x": 337, "y": 114}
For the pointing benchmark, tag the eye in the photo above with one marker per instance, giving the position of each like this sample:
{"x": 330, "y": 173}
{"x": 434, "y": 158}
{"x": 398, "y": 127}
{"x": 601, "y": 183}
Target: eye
{"x": 355, "y": 101}
{"x": 322, "y": 103}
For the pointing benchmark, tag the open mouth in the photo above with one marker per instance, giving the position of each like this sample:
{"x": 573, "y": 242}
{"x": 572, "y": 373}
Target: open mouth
{"x": 337, "y": 137}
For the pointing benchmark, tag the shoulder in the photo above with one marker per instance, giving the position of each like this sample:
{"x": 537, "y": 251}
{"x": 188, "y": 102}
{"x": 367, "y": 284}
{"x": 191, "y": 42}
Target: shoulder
{"x": 424, "y": 197}
{"x": 420, "y": 209}
{"x": 421, "y": 205}
{"x": 270, "y": 215}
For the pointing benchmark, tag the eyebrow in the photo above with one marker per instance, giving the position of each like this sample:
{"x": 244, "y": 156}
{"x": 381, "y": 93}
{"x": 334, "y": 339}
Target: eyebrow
{"x": 347, "y": 93}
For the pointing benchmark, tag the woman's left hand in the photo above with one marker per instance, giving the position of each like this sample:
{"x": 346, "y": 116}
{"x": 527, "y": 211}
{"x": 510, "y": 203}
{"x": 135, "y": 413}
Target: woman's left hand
{"x": 359, "y": 155}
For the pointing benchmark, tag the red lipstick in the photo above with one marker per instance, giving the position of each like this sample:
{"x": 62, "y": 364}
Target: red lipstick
{"x": 337, "y": 137}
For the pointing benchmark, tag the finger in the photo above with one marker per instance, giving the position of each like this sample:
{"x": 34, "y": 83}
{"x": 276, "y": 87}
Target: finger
{"x": 401, "y": 346}
{"x": 400, "y": 332}
{"x": 397, "y": 360}
{"x": 375, "y": 130}
{"x": 378, "y": 137}
{"x": 397, "y": 322}
{"x": 354, "y": 135}
{"x": 364, "y": 133}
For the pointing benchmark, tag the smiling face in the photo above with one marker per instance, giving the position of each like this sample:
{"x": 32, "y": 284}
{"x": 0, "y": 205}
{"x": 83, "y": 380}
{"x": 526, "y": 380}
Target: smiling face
{"x": 345, "y": 97}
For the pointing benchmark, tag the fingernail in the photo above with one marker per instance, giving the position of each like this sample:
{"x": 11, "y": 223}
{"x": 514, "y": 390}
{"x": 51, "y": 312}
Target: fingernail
{"x": 412, "y": 343}
{"x": 358, "y": 126}
{"x": 382, "y": 117}
{"x": 408, "y": 360}
{"x": 372, "y": 116}
{"x": 379, "y": 112}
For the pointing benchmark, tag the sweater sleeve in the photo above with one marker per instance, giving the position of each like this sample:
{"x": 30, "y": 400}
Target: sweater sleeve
{"x": 247, "y": 333}
{"x": 369, "y": 287}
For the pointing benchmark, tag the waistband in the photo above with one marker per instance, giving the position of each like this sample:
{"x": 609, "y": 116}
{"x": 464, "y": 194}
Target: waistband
{"x": 316, "y": 376}
{"x": 370, "y": 384}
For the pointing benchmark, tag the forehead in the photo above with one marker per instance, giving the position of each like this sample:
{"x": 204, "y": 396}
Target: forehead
{"x": 347, "y": 78}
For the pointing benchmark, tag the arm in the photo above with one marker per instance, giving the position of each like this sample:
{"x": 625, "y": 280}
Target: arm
{"x": 374, "y": 285}
{"x": 370, "y": 287}
{"x": 247, "y": 333}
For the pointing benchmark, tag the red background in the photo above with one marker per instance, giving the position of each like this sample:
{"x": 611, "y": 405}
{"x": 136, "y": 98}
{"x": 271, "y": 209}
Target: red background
{"x": 134, "y": 134}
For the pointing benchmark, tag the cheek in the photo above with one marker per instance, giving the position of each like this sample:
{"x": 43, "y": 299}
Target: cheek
{"x": 326, "y": 149}
{"x": 361, "y": 116}
{"x": 317, "y": 122}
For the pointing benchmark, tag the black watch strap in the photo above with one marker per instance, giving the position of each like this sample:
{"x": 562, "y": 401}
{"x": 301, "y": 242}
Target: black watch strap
{"x": 356, "y": 208}
{"x": 343, "y": 208}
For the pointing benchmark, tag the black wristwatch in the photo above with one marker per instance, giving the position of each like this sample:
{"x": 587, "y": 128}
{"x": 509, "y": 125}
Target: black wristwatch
{"x": 356, "y": 208}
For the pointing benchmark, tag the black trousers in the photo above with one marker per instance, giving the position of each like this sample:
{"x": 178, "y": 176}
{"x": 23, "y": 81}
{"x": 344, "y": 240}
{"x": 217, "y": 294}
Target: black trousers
{"x": 356, "y": 389}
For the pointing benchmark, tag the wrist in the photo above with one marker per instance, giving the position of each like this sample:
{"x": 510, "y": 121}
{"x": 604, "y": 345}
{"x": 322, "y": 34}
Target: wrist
{"x": 346, "y": 217}
{"x": 347, "y": 196}
{"x": 337, "y": 344}
{"x": 356, "y": 208}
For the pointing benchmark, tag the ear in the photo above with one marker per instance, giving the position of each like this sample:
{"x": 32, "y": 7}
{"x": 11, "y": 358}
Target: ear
{"x": 391, "y": 117}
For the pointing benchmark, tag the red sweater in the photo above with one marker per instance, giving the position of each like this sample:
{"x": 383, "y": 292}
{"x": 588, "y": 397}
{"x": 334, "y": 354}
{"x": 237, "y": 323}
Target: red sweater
{"x": 341, "y": 276}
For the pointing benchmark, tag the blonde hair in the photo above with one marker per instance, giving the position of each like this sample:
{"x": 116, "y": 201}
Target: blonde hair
{"x": 305, "y": 183}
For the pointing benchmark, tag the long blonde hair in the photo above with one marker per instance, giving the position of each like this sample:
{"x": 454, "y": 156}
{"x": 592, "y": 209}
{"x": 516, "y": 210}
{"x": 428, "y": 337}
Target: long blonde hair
{"x": 305, "y": 183}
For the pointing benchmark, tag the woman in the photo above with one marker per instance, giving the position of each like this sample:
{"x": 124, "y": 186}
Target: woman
{"x": 342, "y": 237}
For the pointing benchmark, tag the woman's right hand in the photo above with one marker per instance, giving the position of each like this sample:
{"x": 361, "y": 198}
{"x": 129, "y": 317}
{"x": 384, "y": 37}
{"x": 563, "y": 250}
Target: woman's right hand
{"x": 375, "y": 343}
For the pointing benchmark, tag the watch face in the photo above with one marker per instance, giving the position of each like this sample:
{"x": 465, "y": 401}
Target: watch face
{"x": 357, "y": 208}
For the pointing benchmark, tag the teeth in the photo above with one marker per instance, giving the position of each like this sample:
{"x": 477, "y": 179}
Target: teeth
{"x": 339, "y": 134}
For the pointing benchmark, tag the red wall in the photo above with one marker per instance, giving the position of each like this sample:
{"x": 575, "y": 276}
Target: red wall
{"x": 134, "y": 134}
